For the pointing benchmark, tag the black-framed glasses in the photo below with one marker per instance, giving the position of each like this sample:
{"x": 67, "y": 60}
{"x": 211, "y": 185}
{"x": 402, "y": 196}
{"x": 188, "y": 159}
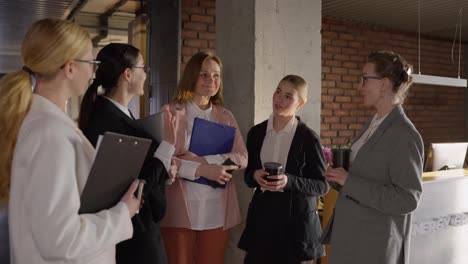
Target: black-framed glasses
{"x": 94, "y": 63}
{"x": 364, "y": 78}
{"x": 145, "y": 68}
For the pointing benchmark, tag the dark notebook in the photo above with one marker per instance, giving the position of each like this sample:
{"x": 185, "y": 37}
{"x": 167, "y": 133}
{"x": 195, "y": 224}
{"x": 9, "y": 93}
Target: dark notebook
{"x": 118, "y": 162}
{"x": 152, "y": 125}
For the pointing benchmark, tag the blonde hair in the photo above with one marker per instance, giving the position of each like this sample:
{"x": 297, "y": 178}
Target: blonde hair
{"x": 299, "y": 83}
{"x": 186, "y": 87}
{"x": 48, "y": 45}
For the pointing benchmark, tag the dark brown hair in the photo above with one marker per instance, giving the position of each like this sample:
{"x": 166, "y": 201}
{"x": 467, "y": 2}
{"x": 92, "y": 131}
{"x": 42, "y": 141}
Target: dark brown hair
{"x": 391, "y": 65}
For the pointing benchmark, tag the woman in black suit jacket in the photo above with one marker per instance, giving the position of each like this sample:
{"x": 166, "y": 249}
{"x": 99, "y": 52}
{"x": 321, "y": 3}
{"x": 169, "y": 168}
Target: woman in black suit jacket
{"x": 282, "y": 223}
{"x": 121, "y": 74}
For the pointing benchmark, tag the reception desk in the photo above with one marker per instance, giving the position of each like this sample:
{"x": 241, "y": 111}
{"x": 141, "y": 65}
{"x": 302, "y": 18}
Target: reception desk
{"x": 440, "y": 223}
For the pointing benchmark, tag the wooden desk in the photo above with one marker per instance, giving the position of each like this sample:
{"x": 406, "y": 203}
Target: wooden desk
{"x": 329, "y": 201}
{"x": 444, "y": 175}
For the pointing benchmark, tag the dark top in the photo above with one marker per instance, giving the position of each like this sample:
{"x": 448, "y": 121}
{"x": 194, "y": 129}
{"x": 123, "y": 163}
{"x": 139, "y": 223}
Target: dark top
{"x": 284, "y": 227}
{"x": 146, "y": 245}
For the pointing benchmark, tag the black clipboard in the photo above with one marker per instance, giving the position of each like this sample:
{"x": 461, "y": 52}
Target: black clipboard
{"x": 152, "y": 125}
{"x": 117, "y": 164}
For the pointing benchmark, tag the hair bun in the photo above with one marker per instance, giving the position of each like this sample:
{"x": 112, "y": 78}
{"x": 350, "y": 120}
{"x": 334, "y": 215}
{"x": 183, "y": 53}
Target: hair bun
{"x": 406, "y": 73}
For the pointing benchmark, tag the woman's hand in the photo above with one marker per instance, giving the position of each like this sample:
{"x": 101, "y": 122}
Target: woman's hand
{"x": 187, "y": 155}
{"x": 338, "y": 175}
{"x": 169, "y": 134}
{"x": 259, "y": 177}
{"x": 279, "y": 184}
{"x": 172, "y": 173}
{"x": 216, "y": 172}
{"x": 130, "y": 200}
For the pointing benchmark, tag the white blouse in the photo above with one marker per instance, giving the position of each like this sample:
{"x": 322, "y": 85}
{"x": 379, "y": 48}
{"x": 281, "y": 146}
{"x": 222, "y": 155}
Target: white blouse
{"x": 205, "y": 203}
{"x": 276, "y": 144}
{"x": 374, "y": 124}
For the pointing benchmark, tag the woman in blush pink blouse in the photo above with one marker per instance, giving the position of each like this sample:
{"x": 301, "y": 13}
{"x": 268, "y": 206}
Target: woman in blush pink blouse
{"x": 198, "y": 217}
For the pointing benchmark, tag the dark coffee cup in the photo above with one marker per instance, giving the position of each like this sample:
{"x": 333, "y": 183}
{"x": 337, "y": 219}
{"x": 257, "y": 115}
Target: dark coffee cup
{"x": 341, "y": 158}
{"x": 273, "y": 168}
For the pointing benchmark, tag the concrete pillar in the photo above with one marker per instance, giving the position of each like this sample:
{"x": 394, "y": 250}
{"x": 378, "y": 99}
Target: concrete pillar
{"x": 137, "y": 35}
{"x": 260, "y": 42}
{"x": 465, "y": 59}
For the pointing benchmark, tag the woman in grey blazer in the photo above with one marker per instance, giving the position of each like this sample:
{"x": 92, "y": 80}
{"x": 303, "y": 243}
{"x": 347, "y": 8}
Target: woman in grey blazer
{"x": 382, "y": 188}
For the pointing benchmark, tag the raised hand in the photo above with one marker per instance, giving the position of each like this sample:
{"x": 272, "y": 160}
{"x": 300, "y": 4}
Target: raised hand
{"x": 172, "y": 173}
{"x": 169, "y": 134}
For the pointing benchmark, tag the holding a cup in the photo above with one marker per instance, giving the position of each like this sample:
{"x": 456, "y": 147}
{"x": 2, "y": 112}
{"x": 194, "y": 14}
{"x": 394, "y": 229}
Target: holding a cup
{"x": 272, "y": 168}
{"x": 286, "y": 167}
{"x": 341, "y": 157}
{"x": 383, "y": 186}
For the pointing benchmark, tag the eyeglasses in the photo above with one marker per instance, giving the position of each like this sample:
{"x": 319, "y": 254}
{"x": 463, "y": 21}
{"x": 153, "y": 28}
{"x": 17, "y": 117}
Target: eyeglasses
{"x": 365, "y": 78}
{"x": 145, "y": 68}
{"x": 94, "y": 63}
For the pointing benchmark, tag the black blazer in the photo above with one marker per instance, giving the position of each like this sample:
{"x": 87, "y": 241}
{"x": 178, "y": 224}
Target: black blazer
{"x": 286, "y": 226}
{"x": 146, "y": 245}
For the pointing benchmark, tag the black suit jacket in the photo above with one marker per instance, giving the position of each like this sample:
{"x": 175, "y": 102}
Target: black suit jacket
{"x": 146, "y": 245}
{"x": 285, "y": 225}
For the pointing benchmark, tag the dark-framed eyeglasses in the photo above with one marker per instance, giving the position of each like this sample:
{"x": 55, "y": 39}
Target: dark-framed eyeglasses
{"x": 94, "y": 63}
{"x": 364, "y": 78}
{"x": 145, "y": 68}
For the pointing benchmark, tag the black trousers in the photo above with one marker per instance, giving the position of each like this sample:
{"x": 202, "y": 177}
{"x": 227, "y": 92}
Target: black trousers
{"x": 143, "y": 248}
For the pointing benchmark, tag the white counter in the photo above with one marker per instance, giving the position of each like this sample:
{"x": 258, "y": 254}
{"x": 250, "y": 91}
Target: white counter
{"x": 440, "y": 223}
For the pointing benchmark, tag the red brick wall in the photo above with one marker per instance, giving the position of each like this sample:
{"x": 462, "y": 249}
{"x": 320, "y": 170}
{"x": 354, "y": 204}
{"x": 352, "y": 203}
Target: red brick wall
{"x": 198, "y": 28}
{"x": 436, "y": 111}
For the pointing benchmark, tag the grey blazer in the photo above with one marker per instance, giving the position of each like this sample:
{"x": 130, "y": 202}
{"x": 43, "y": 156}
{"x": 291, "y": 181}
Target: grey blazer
{"x": 373, "y": 211}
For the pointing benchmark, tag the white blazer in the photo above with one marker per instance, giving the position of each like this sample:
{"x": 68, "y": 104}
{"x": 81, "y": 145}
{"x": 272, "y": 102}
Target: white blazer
{"x": 51, "y": 163}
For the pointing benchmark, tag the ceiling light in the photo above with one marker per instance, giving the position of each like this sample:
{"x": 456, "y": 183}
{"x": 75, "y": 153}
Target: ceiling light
{"x": 438, "y": 80}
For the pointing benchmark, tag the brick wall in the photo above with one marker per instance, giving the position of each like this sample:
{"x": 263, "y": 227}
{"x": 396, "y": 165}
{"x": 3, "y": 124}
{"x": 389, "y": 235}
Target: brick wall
{"x": 198, "y": 28}
{"x": 437, "y": 112}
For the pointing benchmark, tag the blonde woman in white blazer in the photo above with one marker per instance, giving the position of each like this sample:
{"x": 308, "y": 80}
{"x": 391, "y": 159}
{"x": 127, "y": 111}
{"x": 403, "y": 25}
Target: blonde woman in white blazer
{"x": 48, "y": 166}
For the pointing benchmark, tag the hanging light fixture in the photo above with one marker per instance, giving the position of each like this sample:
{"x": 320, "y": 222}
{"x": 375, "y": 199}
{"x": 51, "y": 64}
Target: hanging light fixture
{"x": 439, "y": 80}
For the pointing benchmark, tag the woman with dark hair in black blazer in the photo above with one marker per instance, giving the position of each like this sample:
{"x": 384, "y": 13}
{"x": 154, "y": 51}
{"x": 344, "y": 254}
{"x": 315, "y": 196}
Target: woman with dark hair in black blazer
{"x": 282, "y": 223}
{"x": 121, "y": 74}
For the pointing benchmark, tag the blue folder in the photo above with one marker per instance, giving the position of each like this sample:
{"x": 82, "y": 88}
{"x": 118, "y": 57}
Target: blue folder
{"x": 211, "y": 138}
